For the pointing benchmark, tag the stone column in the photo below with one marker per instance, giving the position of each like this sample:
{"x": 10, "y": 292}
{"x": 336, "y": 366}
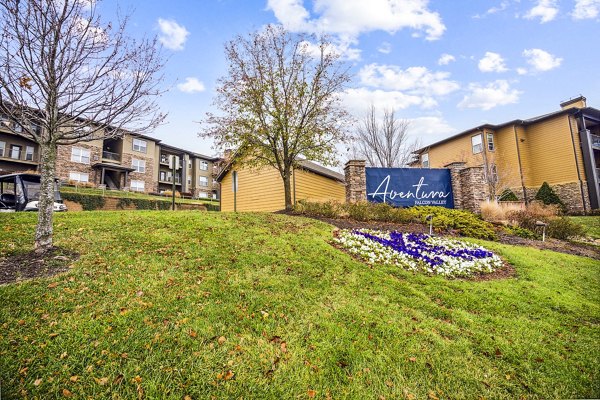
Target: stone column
{"x": 455, "y": 169}
{"x": 474, "y": 189}
{"x": 356, "y": 181}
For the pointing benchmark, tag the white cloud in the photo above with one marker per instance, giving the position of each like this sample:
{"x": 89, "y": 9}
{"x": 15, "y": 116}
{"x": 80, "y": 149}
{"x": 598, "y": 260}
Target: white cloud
{"x": 586, "y": 9}
{"x": 486, "y": 97}
{"x": 343, "y": 49}
{"x": 430, "y": 129}
{"x": 492, "y": 62}
{"x": 414, "y": 80}
{"x": 540, "y": 60}
{"x": 350, "y": 18}
{"x": 446, "y": 59}
{"x": 545, "y": 10}
{"x": 493, "y": 10}
{"x": 522, "y": 71}
{"x": 360, "y": 99}
{"x": 172, "y": 35}
{"x": 191, "y": 85}
{"x": 385, "y": 48}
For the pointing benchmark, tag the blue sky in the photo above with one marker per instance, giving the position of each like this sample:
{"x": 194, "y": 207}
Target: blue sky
{"x": 445, "y": 65}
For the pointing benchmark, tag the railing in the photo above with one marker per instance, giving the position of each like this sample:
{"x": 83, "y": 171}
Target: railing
{"x": 107, "y": 155}
{"x": 595, "y": 141}
{"x": 169, "y": 179}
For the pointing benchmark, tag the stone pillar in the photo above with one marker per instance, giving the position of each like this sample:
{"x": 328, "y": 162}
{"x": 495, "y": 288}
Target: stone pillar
{"x": 474, "y": 189}
{"x": 455, "y": 169}
{"x": 356, "y": 181}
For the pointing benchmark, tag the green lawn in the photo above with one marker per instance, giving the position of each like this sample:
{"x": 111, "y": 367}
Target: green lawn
{"x": 591, "y": 225}
{"x": 121, "y": 193}
{"x": 255, "y": 306}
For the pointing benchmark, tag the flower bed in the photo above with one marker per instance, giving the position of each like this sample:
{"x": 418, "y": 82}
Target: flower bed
{"x": 419, "y": 252}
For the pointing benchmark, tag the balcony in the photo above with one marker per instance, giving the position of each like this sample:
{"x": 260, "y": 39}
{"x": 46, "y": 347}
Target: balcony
{"x": 595, "y": 139}
{"x": 111, "y": 157}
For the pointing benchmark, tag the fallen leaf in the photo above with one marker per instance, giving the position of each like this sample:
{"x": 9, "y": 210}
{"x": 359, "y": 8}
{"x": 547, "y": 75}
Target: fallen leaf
{"x": 118, "y": 379}
{"x": 389, "y": 383}
{"x": 498, "y": 353}
{"x": 53, "y": 335}
{"x": 186, "y": 397}
{"x": 21, "y": 322}
{"x": 193, "y": 333}
{"x": 432, "y": 396}
{"x": 221, "y": 339}
{"x": 507, "y": 377}
{"x": 74, "y": 378}
{"x": 23, "y": 371}
{"x": 137, "y": 379}
{"x": 101, "y": 381}
{"x": 311, "y": 393}
{"x": 283, "y": 347}
{"x": 229, "y": 375}
{"x": 67, "y": 393}
{"x": 37, "y": 382}
{"x": 52, "y": 285}
{"x": 412, "y": 359}
{"x": 64, "y": 355}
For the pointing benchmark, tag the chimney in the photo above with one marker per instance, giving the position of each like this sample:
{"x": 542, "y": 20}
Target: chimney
{"x": 577, "y": 102}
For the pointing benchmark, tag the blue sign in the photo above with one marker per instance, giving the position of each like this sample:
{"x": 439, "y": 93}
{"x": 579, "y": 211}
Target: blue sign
{"x": 405, "y": 187}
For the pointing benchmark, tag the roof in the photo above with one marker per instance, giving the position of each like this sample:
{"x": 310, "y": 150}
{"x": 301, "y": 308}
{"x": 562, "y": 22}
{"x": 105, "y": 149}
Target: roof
{"x": 587, "y": 110}
{"x": 304, "y": 164}
{"x": 178, "y": 149}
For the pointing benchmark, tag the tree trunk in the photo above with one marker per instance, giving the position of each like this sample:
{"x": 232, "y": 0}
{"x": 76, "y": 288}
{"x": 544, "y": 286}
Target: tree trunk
{"x": 287, "y": 189}
{"x": 43, "y": 233}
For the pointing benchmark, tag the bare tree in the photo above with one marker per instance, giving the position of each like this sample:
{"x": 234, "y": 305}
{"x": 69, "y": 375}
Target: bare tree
{"x": 280, "y": 102}
{"x": 65, "y": 76}
{"x": 384, "y": 143}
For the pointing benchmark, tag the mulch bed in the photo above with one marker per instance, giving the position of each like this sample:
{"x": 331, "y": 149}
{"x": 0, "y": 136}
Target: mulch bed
{"x": 18, "y": 267}
{"x": 560, "y": 246}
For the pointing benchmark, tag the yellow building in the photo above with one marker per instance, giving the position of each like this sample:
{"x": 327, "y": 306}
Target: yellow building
{"x": 561, "y": 148}
{"x": 262, "y": 189}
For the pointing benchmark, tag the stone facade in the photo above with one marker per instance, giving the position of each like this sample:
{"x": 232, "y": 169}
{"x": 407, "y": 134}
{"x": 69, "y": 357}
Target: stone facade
{"x": 64, "y": 165}
{"x": 473, "y": 189}
{"x": 569, "y": 193}
{"x": 356, "y": 181}
{"x": 147, "y": 177}
{"x": 455, "y": 169}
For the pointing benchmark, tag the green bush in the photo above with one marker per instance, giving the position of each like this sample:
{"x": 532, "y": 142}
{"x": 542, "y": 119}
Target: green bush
{"x": 508, "y": 195}
{"x": 521, "y": 232}
{"x": 463, "y": 222}
{"x": 88, "y": 202}
{"x": 547, "y": 196}
{"x": 564, "y": 228}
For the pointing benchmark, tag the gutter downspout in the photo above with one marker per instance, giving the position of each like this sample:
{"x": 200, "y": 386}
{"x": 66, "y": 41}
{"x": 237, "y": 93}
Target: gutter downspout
{"x": 577, "y": 166}
{"x": 520, "y": 165}
{"x": 294, "y": 184}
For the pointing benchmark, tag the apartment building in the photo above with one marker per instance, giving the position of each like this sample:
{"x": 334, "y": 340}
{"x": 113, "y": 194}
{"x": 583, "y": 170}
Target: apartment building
{"x": 561, "y": 148}
{"x": 126, "y": 162}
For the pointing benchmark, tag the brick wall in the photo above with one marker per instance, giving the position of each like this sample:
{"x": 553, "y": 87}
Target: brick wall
{"x": 148, "y": 177}
{"x": 356, "y": 181}
{"x": 64, "y": 165}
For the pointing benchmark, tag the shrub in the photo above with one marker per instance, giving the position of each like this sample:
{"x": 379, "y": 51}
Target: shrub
{"x": 547, "y": 196}
{"x": 89, "y": 202}
{"x": 464, "y": 222}
{"x": 497, "y": 212}
{"x": 564, "y": 228}
{"x": 521, "y": 232}
{"x": 382, "y": 212}
{"x": 169, "y": 193}
{"x": 360, "y": 211}
{"x": 329, "y": 209}
{"x": 508, "y": 195}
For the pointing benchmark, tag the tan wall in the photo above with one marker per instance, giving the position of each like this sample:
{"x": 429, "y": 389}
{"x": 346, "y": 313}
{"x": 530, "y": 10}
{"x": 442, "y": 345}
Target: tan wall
{"x": 456, "y": 150}
{"x": 313, "y": 187}
{"x": 262, "y": 189}
{"x": 9, "y": 164}
{"x": 549, "y": 153}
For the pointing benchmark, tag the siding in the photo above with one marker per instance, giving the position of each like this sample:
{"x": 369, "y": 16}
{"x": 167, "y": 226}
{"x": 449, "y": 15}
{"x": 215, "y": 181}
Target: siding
{"x": 549, "y": 153}
{"x": 457, "y": 150}
{"x": 262, "y": 189}
{"x": 313, "y": 187}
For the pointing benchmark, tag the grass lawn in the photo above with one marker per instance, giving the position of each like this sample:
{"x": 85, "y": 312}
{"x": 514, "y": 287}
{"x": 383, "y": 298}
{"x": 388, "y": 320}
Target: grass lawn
{"x": 222, "y": 305}
{"x": 121, "y": 193}
{"x": 591, "y": 225}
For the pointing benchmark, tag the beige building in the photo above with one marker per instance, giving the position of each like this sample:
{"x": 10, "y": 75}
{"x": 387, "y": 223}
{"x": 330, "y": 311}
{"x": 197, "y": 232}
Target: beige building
{"x": 561, "y": 148}
{"x": 127, "y": 162}
{"x": 262, "y": 189}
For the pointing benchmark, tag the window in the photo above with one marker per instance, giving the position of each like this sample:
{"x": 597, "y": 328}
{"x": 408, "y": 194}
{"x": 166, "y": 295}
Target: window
{"x": 203, "y": 165}
{"x": 476, "y": 144}
{"x": 37, "y": 129}
{"x": 139, "y": 145}
{"x": 203, "y": 195}
{"x": 138, "y": 165}
{"x": 163, "y": 176}
{"x": 29, "y": 153}
{"x": 189, "y": 164}
{"x": 164, "y": 159}
{"x": 2, "y": 147}
{"x": 79, "y": 177}
{"x": 137, "y": 186}
{"x": 15, "y": 151}
{"x": 80, "y": 155}
{"x": 425, "y": 160}
{"x": 203, "y": 181}
{"x": 189, "y": 181}
{"x": 490, "y": 141}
